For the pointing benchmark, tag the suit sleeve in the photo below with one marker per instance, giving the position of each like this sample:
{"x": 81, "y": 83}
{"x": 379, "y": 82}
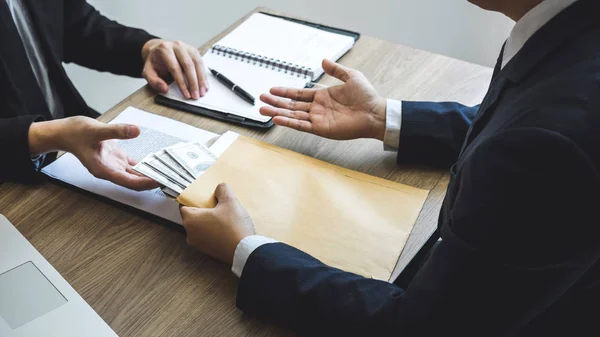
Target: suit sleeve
{"x": 433, "y": 133}
{"x": 521, "y": 232}
{"x": 94, "y": 41}
{"x": 14, "y": 146}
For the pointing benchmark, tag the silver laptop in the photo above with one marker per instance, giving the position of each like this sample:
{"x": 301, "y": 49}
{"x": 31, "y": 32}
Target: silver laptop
{"x": 35, "y": 301}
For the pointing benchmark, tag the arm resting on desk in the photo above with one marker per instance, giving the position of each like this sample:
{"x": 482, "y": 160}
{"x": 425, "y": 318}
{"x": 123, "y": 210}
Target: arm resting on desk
{"x": 431, "y": 133}
{"x": 520, "y": 235}
{"x": 17, "y": 163}
{"x": 94, "y": 41}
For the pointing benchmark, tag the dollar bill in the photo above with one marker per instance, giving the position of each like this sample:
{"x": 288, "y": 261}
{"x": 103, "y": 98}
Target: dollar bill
{"x": 170, "y": 193}
{"x": 163, "y": 169}
{"x": 152, "y": 173}
{"x": 195, "y": 158}
{"x": 171, "y": 163}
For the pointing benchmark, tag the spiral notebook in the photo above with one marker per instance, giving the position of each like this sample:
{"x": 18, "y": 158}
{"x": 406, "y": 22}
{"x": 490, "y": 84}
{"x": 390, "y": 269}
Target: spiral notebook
{"x": 263, "y": 52}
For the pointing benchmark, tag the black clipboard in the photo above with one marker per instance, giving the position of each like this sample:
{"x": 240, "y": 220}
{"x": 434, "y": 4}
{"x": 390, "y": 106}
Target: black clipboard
{"x": 239, "y": 120}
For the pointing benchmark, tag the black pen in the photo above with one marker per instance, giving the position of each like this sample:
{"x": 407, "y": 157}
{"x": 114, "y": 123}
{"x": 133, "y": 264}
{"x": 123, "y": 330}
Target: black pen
{"x": 239, "y": 91}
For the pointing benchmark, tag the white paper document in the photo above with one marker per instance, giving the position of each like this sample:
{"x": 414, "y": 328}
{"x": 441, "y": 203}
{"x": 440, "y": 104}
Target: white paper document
{"x": 157, "y": 133}
{"x": 256, "y": 80}
{"x": 261, "y": 53}
{"x": 287, "y": 41}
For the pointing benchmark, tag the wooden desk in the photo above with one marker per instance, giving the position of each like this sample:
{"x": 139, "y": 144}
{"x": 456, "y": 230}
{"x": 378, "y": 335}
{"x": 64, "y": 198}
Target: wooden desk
{"x": 143, "y": 279}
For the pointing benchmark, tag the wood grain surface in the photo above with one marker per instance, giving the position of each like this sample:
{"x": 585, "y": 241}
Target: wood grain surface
{"x": 141, "y": 277}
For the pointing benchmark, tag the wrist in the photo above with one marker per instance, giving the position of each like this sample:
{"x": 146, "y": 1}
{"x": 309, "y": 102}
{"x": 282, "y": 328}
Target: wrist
{"x": 378, "y": 122}
{"x": 45, "y": 137}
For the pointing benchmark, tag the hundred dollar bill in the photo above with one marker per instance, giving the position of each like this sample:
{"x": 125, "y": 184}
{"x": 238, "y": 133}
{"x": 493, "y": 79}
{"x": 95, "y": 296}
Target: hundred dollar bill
{"x": 151, "y": 173}
{"x": 171, "y": 163}
{"x": 163, "y": 169}
{"x": 195, "y": 158}
{"x": 170, "y": 193}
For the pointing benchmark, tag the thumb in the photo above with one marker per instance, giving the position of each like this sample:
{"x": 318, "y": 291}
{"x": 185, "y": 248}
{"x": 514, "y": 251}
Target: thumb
{"x": 116, "y": 131}
{"x": 336, "y": 70}
{"x": 154, "y": 80}
{"x": 223, "y": 193}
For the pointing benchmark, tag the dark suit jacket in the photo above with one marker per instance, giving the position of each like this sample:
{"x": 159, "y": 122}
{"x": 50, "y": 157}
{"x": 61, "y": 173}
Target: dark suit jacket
{"x": 69, "y": 31}
{"x": 520, "y": 250}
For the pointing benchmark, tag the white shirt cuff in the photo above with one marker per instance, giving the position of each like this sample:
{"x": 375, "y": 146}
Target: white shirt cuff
{"x": 393, "y": 122}
{"x": 244, "y": 249}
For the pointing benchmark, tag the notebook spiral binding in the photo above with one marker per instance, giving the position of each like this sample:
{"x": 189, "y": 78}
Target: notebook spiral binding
{"x": 263, "y": 61}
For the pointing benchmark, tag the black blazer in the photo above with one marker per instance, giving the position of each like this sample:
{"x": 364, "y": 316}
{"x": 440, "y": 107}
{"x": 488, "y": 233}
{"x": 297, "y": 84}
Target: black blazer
{"x": 69, "y": 31}
{"x": 520, "y": 250}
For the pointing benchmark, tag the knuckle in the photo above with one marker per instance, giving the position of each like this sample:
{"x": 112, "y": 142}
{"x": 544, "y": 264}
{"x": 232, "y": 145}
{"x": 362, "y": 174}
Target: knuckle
{"x": 164, "y": 45}
{"x": 292, "y": 104}
{"x": 185, "y": 211}
{"x": 179, "y": 43}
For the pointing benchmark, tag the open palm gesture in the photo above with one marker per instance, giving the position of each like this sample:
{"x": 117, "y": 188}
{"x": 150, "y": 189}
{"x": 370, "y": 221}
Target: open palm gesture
{"x": 92, "y": 142}
{"x": 347, "y": 111}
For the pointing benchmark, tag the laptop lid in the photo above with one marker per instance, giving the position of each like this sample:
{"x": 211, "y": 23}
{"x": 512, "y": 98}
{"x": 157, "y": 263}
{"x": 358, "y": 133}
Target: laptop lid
{"x": 34, "y": 299}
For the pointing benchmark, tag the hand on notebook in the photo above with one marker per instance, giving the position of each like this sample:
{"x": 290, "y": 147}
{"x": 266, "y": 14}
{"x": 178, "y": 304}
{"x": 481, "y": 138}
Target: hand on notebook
{"x": 179, "y": 60}
{"x": 218, "y": 231}
{"x": 347, "y": 111}
{"x": 91, "y": 142}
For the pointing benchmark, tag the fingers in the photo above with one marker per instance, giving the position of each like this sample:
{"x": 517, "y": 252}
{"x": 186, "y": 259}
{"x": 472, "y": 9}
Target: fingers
{"x": 187, "y": 212}
{"x": 131, "y": 161}
{"x": 154, "y": 79}
{"x": 337, "y": 70}
{"x": 172, "y": 64}
{"x": 284, "y": 103}
{"x": 274, "y": 112}
{"x": 223, "y": 193}
{"x": 201, "y": 71}
{"x": 189, "y": 70}
{"x": 194, "y": 213}
{"x": 193, "y": 216}
{"x": 131, "y": 181}
{"x": 182, "y": 61}
{"x": 116, "y": 131}
{"x": 301, "y": 95}
{"x": 300, "y": 125}
{"x": 130, "y": 170}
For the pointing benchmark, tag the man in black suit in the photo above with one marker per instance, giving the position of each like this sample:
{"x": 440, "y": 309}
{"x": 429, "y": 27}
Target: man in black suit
{"x": 518, "y": 253}
{"x": 41, "y": 112}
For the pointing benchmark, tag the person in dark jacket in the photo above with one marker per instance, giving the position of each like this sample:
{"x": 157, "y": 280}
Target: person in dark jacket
{"x": 41, "y": 112}
{"x": 518, "y": 253}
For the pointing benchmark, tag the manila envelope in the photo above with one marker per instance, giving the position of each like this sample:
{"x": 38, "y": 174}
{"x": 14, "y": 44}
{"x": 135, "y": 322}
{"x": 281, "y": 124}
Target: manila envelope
{"x": 346, "y": 219}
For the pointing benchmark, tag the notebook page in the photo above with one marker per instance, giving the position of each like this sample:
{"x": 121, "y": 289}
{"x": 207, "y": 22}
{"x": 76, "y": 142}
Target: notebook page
{"x": 287, "y": 41}
{"x": 252, "y": 78}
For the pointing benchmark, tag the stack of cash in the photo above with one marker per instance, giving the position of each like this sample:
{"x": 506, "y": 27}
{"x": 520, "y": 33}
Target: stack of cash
{"x": 177, "y": 166}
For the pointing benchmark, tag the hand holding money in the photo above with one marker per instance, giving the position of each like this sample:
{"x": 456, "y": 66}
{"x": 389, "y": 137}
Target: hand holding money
{"x": 177, "y": 166}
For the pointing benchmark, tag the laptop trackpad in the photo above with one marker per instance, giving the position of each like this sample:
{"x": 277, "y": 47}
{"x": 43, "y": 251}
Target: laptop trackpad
{"x": 26, "y": 294}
